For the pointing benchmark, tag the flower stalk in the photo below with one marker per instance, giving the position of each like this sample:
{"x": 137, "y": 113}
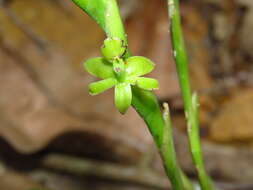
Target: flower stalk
{"x": 168, "y": 153}
{"x": 190, "y": 101}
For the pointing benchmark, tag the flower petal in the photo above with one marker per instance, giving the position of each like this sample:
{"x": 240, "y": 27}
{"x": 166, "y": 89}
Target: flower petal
{"x": 123, "y": 97}
{"x": 100, "y": 86}
{"x": 147, "y": 83}
{"x": 138, "y": 66}
{"x": 99, "y": 67}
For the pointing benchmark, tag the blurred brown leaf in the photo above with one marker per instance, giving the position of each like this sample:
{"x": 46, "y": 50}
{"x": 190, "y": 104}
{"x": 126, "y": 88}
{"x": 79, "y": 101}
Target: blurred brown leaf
{"x": 234, "y": 121}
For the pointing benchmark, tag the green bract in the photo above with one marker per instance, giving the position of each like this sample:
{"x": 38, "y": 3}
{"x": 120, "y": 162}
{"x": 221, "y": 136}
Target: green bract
{"x": 113, "y": 48}
{"x": 119, "y": 72}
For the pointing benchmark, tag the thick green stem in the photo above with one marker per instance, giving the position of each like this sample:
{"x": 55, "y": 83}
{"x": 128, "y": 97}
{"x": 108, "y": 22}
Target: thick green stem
{"x": 106, "y": 13}
{"x": 190, "y": 102}
{"x": 147, "y": 106}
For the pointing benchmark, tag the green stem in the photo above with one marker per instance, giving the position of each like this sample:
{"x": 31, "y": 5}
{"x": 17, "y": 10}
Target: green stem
{"x": 190, "y": 102}
{"x": 147, "y": 106}
{"x": 169, "y": 154}
{"x": 107, "y": 15}
{"x": 145, "y": 103}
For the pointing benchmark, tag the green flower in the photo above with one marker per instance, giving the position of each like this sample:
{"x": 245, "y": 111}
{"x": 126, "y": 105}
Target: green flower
{"x": 119, "y": 72}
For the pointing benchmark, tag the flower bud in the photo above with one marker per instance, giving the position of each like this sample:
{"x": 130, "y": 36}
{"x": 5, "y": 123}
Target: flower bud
{"x": 113, "y": 48}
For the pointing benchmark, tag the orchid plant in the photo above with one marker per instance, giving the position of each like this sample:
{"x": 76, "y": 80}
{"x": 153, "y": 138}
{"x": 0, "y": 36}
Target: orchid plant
{"x": 118, "y": 68}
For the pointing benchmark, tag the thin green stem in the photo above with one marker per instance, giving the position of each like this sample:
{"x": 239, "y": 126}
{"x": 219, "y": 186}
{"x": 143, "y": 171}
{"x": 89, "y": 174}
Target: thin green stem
{"x": 178, "y": 179}
{"x": 145, "y": 102}
{"x": 190, "y": 102}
